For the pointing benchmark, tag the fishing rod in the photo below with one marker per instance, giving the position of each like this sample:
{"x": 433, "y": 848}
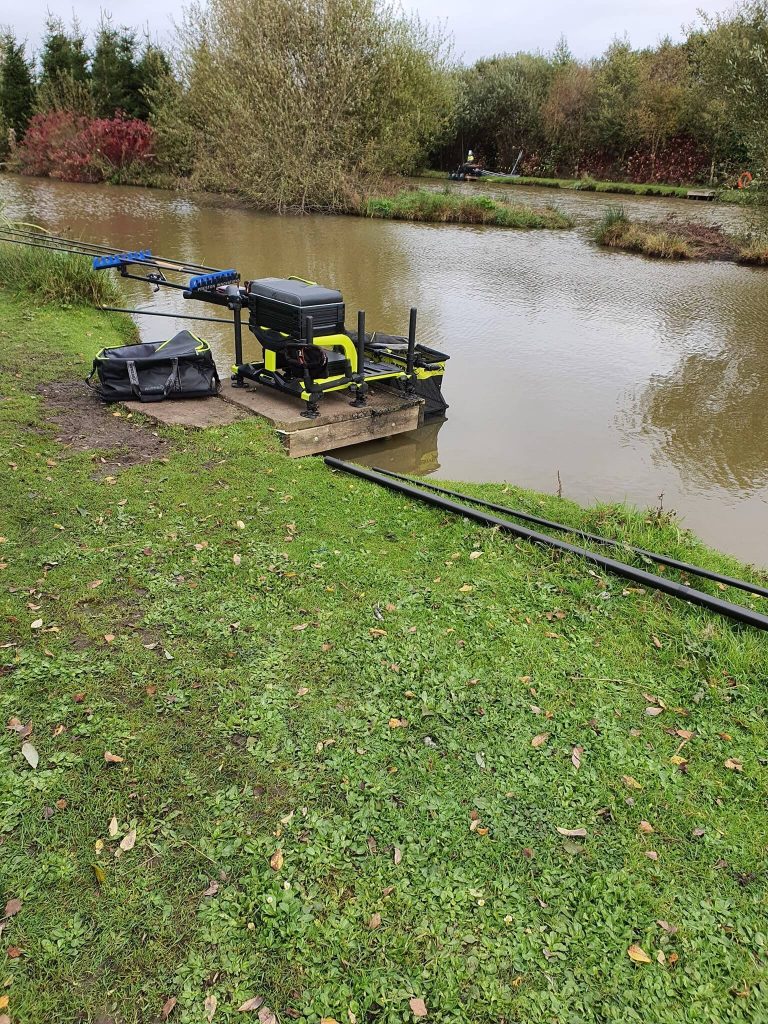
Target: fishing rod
{"x": 174, "y": 316}
{"x": 44, "y": 240}
{"x": 736, "y": 612}
{"x": 673, "y": 563}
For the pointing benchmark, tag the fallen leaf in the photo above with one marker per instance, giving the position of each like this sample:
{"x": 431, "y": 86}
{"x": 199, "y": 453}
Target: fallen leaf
{"x": 328, "y": 1020}
{"x": 37, "y": 624}
{"x": 653, "y": 711}
{"x": 128, "y": 841}
{"x": 111, "y": 758}
{"x": 151, "y": 690}
{"x": 276, "y": 860}
{"x": 211, "y": 1002}
{"x": 100, "y": 873}
{"x": 670, "y": 929}
{"x": 167, "y": 1009}
{"x": 302, "y": 691}
{"x": 12, "y": 907}
{"x": 94, "y": 583}
{"x": 698, "y": 833}
{"x": 684, "y": 734}
{"x": 298, "y": 628}
{"x": 59, "y": 730}
{"x": 573, "y": 833}
{"x": 375, "y": 920}
{"x": 677, "y": 760}
{"x": 657, "y": 644}
{"x": 266, "y": 1016}
{"x": 645, "y": 826}
{"x": 212, "y": 889}
{"x": 651, "y": 855}
{"x": 109, "y": 637}
{"x": 630, "y": 782}
{"x": 61, "y": 805}
{"x": 397, "y": 855}
{"x": 418, "y": 1007}
{"x": 540, "y": 739}
{"x": 673, "y": 958}
{"x": 236, "y": 559}
{"x": 113, "y": 827}
{"x": 377, "y": 632}
{"x": 576, "y": 756}
{"x": 475, "y": 554}
{"x": 4, "y": 1000}
{"x": 638, "y": 955}
{"x": 30, "y": 755}
{"x": 251, "y": 1004}
{"x": 13, "y": 952}
{"x": 240, "y": 524}
{"x": 733, "y": 764}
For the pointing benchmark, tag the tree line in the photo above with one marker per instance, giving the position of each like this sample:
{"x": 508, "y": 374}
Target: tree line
{"x": 114, "y": 75}
{"x": 307, "y": 103}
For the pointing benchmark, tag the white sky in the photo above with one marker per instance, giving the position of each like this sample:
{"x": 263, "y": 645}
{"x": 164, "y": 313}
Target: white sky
{"x": 479, "y": 29}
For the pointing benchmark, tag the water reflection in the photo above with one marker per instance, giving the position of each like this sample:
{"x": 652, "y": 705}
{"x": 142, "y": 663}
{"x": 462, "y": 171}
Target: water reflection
{"x": 629, "y": 377}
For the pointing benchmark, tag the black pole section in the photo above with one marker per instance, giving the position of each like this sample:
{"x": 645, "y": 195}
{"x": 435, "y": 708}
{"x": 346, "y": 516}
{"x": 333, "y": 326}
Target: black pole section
{"x": 528, "y": 517}
{"x": 360, "y": 342}
{"x": 732, "y": 611}
{"x": 174, "y": 316}
{"x": 411, "y": 343}
{"x": 238, "y": 326}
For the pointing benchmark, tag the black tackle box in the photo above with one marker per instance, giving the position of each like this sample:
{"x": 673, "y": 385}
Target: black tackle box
{"x": 283, "y": 304}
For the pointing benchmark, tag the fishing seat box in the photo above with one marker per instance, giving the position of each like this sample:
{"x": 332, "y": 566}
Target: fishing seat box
{"x": 181, "y": 367}
{"x": 283, "y": 305}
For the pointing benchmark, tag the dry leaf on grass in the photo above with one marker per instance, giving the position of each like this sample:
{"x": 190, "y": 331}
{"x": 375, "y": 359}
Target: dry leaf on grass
{"x": 375, "y": 921}
{"x": 572, "y": 833}
{"x": 212, "y": 889}
{"x": 540, "y": 740}
{"x": 128, "y": 841}
{"x": 277, "y": 860}
{"x": 418, "y": 1007}
{"x": 167, "y": 1009}
{"x": 113, "y": 828}
{"x": 111, "y": 758}
{"x": 211, "y": 1002}
{"x": 13, "y": 906}
{"x": 31, "y": 756}
{"x": 646, "y": 827}
{"x": 638, "y": 955}
{"x": 733, "y": 764}
{"x": 251, "y": 1004}
{"x": 266, "y": 1016}
{"x": 576, "y": 756}
{"x": 630, "y": 782}
{"x": 397, "y": 856}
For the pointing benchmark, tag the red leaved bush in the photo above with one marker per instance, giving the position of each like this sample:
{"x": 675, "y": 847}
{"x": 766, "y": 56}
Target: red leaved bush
{"x": 72, "y": 147}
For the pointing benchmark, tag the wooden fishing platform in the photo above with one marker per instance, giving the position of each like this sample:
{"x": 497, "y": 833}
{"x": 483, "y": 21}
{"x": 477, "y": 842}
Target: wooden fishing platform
{"x": 338, "y": 425}
{"x": 701, "y": 193}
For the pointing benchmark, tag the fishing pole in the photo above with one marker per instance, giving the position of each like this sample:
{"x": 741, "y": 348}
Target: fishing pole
{"x": 736, "y": 612}
{"x": 174, "y": 316}
{"x": 673, "y": 563}
{"x": 44, "y": 240}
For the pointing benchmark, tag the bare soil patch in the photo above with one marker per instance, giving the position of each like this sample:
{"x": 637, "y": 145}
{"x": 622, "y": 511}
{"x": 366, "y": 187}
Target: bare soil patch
{"x": 85, "y": 424}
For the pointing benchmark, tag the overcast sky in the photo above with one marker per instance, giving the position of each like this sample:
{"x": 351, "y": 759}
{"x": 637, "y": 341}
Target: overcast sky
{"x": 479, "y": 29}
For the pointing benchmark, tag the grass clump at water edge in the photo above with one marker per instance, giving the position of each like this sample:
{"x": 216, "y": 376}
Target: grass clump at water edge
{"x": 54, "y": 277}
{"x": 449, "y": 207}
{"x": 617, "y": 231}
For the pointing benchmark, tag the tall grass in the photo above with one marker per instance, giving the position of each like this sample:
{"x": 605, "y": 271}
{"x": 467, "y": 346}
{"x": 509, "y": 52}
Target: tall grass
{"x": 589, "y": 184}
{"x": 617, "y": 231}
{"x": 455, "y": 208}
{"x": 54, "y": 277}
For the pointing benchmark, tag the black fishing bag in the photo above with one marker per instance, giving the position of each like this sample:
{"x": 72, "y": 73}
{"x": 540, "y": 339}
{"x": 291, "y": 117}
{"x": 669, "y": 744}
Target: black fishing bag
{"x": 181, "y": 367}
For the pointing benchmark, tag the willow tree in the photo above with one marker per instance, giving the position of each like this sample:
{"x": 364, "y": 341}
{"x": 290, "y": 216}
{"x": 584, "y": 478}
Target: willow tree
{"x": 297, "y": 104}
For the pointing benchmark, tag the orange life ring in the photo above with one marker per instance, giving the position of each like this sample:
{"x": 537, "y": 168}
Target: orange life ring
{"x": 744, "y": 180}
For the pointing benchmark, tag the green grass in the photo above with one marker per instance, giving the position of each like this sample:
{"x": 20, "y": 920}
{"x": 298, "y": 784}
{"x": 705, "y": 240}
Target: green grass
{"x": 592, "y": 185}
{"x": 53, "y": 277}
{"x": 455, "y": 208}
{"x": 616, "y": 231}
{"x": 251, "y": 634}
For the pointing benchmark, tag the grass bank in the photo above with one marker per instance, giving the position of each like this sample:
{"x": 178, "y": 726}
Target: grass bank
{"x": 302, "y": 741}
{"x": 53, "y": 277}
{"x": 452, "y": 207}
{"x": 675, "y": 240}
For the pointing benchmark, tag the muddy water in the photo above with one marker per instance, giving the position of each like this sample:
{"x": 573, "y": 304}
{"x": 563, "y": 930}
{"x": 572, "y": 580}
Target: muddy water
{"x": 631, "y": 378}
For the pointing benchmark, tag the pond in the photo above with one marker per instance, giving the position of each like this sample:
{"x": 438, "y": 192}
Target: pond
{"x": 630, "y": 379}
